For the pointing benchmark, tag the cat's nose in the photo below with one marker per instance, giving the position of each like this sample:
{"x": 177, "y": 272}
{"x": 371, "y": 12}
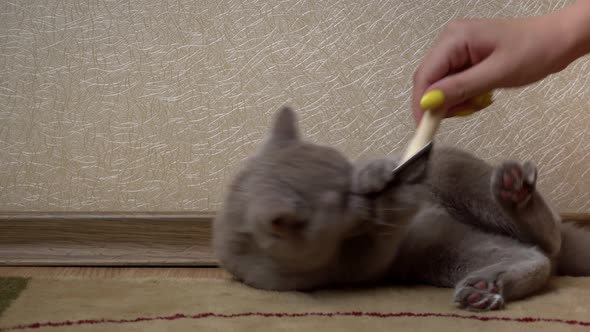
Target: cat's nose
{"x": 331, "y": 198}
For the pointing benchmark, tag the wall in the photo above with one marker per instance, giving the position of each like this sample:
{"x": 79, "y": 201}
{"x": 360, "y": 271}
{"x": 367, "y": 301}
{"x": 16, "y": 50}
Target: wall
{"x": 151, "y": 105}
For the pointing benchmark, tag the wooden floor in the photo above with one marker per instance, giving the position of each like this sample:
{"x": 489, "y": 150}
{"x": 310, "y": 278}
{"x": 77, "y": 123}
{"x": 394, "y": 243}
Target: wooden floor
{"x": 111, "y": 272}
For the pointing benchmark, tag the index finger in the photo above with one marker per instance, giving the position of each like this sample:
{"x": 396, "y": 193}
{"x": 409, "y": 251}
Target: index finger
{"x": 442, "y": 59}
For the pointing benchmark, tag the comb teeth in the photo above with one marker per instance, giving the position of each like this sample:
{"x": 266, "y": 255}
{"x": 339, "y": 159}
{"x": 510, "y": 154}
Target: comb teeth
{"x": 424, "y": 151}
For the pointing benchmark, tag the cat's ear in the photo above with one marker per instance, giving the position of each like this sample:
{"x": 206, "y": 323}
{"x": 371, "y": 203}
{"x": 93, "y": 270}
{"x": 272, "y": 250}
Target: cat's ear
{"x": 284, "y": 129}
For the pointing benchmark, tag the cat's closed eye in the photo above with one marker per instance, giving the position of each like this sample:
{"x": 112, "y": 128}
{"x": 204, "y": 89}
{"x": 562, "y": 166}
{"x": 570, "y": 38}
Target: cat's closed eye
{"x": 287, "y": 226}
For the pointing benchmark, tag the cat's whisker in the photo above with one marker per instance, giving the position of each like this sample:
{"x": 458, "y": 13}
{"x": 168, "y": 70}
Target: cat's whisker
{"x": 386, "y": 234}
{"x": 383, "y": 223}
{"x": 394, "y": 209}
{"x": 391, "y": 228}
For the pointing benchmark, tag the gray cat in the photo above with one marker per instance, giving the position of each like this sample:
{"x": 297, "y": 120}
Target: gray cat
{"x": 299, "y": 216}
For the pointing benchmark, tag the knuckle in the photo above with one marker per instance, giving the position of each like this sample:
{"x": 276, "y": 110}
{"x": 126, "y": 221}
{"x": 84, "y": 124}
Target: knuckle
{"x": 460, "y": 91}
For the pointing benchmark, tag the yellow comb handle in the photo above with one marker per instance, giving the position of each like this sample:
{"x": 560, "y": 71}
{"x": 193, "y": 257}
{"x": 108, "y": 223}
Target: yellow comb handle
{"x": 432, "y": 119}
{"x": 425, "y": 132}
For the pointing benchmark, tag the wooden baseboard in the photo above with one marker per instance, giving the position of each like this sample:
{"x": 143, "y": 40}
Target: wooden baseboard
{"x": 106, "y": 239}
{"x": 115, "y": 239}
{"x": 582, "y": 218}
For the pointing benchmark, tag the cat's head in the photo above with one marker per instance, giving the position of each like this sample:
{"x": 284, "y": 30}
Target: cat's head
{"x": 287, "y": 210}
{"x": 282, "y": 205}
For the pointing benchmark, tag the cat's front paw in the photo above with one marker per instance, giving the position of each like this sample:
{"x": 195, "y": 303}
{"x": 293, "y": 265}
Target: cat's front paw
{"x": 372, "y": 176}
{"x": 513, "y": 183}
{"x": 479, "y": 294}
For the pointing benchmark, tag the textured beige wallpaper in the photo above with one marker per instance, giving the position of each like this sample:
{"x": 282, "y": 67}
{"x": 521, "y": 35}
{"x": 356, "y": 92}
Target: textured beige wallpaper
{"x": 151, "y": 105}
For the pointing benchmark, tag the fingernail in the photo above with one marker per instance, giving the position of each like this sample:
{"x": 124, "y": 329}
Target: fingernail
{"x": 483, "y": 100}
{"x": 432, "y": 100}
{"x": 464, "y": 113}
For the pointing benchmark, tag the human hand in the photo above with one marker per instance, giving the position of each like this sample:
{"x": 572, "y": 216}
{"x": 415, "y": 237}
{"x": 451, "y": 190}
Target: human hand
{"x": 472, "y": 57}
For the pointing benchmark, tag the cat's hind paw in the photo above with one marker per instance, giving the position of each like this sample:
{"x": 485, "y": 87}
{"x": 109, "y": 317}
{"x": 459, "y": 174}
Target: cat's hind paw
{"x": 513, "y": 184}
{"x": 477, "y": 294}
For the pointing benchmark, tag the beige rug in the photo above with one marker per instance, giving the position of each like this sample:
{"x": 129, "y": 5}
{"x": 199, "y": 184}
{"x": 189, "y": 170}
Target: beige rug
{"x": 202, "y": 304}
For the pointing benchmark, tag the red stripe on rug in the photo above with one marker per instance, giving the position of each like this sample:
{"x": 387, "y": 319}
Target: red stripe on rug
{"x": 296, "y": 315}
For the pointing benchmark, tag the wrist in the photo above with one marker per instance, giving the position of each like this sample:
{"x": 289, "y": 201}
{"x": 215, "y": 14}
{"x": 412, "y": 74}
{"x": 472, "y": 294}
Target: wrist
{"x": 573, "y": 24}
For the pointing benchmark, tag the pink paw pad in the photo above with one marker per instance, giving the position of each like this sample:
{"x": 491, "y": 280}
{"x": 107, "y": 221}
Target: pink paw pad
{"x": 481, "y": 284}
{"x": 513, "y": 187}
{"x": 509, "y": 177}
{"x": 476, "y": 299}
{"x": 480, "y": 294}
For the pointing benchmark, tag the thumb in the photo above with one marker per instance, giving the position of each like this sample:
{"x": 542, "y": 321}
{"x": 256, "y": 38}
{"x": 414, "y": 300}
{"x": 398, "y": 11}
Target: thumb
{"x": 467, "y": 85}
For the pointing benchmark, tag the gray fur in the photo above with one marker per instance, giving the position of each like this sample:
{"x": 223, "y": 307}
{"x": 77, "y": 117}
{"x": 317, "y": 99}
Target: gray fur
{"x": 296, "y": 217}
